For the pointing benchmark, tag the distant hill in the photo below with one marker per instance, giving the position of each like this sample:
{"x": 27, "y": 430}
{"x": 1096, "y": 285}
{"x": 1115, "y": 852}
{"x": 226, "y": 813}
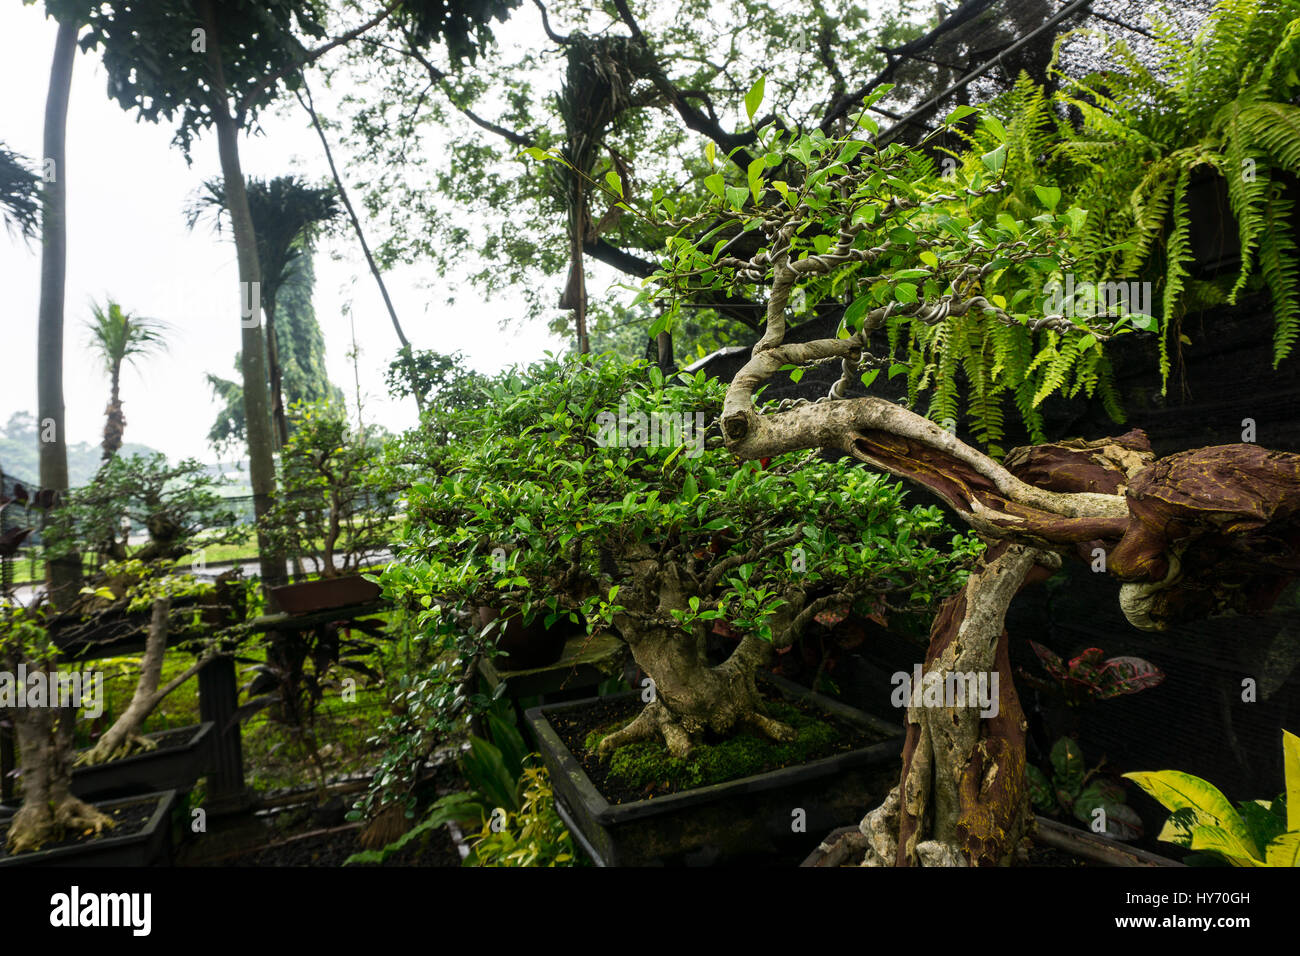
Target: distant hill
{"x": 19, "y": 455}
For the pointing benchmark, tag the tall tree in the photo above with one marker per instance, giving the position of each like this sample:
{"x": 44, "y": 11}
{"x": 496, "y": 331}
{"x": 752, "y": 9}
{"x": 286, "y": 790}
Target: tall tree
{"x": 118, "y": 336}
{"x": 218, "y": 63}
{"x": 64, "y": 569}
{"x": 628, "y": 93}
{"x": 287, "y": 214}
{"x": 301, "y": 347}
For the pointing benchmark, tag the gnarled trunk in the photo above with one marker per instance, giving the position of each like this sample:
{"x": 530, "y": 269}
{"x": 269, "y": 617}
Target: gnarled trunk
{"x": 963, "y": 798}
{"x": 690, "y": 695}
{"x": 49, "y": 809}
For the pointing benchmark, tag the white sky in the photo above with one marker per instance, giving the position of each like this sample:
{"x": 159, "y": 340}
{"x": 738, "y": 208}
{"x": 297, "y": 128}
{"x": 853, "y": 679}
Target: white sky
{"x": 127, "y": 189}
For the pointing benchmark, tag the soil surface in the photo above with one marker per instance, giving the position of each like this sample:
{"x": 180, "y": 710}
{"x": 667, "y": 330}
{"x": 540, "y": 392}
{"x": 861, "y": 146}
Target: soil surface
{"x": 333, "y": 847}
{"x": 128, "y": 819}
{"x": 574, "y": 726}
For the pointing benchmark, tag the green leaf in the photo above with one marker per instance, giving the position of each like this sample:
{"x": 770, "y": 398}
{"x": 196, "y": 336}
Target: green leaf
{"x": 1291, "y": 771}
{"x": 755, "y": 177}
{"x": 736, "y": 196}
{"x": 715, "y": 184}
{"x": 1204, "y": 803}
{"x": 754, "y": 98}
{"x": 960, "y": 113}
{"x": 856, "y": 310}
{"x": 1049, "y": 196}
{"x": 994, "y": 126}
{"x": 996, "y": 159}
{"x": 615, "y": 183}
{"x": 1067, "y": 764}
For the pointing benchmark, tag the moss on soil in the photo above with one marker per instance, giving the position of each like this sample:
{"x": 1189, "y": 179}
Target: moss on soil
{"x": 639, "y": 764}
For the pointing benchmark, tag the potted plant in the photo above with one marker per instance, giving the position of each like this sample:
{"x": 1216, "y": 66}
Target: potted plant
{"x": 330, "y": 514}
{"x": 601, "y": 523}
{"x": 137, "y": 832}
{"x": 140, "y": 599}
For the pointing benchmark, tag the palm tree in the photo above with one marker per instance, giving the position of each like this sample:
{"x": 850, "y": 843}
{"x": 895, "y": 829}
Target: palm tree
{"x": 118, "y": 337}
{"x": 20, "y": 196}
{"x": 287, "y": 215}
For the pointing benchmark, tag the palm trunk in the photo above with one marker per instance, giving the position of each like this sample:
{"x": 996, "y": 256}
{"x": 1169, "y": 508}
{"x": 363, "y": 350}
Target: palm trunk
{"x": 114, "y": 420}
{"x": 261, "y": 463}
{"x": 63, "y": 571}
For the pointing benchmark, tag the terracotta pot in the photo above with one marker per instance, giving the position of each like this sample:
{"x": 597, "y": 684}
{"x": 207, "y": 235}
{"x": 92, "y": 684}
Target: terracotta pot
{"x": 528, "y": 645}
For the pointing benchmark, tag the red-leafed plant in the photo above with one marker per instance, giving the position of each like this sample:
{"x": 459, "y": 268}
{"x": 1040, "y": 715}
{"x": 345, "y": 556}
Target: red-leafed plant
{"x": 1090, "y": 676}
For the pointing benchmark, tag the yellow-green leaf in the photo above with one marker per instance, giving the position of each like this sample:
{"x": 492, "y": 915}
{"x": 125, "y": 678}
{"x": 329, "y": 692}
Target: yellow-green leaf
{"x": 1212, "y": 839}
{"x": 1291, "y": 770}
{"x": 1284, "y": 850}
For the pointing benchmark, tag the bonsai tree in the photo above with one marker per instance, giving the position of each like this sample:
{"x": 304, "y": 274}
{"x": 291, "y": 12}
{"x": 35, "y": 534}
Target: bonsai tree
{"x": 177, "y": 505}
{"x": 44, "y": 735}
{"x": 842, "y": 218}
{"x": 329, "y": 507}
{"x": 180, "y": 510}
{"x": 588, "y": 489}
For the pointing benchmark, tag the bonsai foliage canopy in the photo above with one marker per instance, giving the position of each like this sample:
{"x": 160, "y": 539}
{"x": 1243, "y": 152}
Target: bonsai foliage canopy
{"x": 600, "y": 491}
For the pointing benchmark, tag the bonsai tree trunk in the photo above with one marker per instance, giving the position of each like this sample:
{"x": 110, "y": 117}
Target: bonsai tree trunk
{"x": 49, "y": 810}
{"x": 124, "y": 736}
{"x": 963, "y": 797}
{"x": 690, "y": 695}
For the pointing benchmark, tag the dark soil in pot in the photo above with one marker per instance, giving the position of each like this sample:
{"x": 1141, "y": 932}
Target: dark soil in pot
{"x": 644, "y": 770}
{"x": 128, "y": 820}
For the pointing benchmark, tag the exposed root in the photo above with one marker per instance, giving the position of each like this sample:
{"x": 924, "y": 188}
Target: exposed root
{"x": 36, "y": 825}
{"x": 115, "y": 749}
{"x": 656, "y": 722}
{"x": 74, "y": 814}
{"x": 653, "y": 722}
{"x": 782, "y": 733}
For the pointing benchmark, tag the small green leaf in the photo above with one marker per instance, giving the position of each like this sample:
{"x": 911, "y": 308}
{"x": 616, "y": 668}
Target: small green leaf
{"x": 1049, "y": 196}
{"x": 754, "y": 98}
{"x": 996, "y": 159}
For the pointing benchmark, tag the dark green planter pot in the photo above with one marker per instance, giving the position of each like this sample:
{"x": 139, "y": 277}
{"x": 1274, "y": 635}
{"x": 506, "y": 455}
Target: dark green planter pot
{"x": 173, "y": 768}
{"x": 746, "y": 821}
{"x": 151, "y": 846}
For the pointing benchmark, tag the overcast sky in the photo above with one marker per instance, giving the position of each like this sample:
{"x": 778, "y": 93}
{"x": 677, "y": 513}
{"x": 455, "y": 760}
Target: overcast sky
{"x": 127, "y": 189}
